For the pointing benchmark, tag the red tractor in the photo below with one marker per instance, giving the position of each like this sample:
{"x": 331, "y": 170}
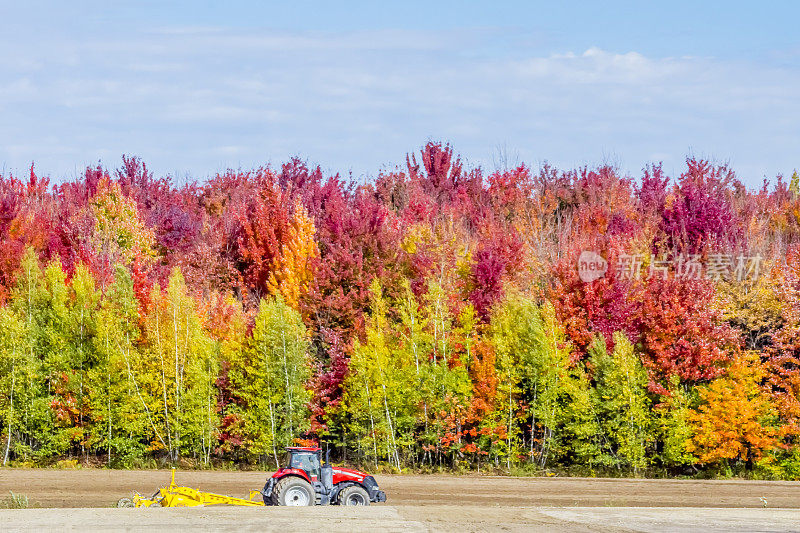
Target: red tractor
{"x": 306, "y": 481}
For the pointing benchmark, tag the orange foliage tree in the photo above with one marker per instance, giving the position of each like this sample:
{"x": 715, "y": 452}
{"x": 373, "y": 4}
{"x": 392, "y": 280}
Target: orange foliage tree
{"x": 292, "y": 271}
{"x": 735, "y": 419}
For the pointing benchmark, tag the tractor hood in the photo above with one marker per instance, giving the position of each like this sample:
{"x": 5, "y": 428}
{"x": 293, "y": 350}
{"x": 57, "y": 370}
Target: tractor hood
{"x": 349, "y": 473}
{"x": 339, "y": 474}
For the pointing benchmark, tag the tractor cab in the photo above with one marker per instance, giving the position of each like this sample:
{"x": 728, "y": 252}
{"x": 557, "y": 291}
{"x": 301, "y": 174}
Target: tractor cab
{"x": 305, "y": 459}
{"x": 306, "y": 480}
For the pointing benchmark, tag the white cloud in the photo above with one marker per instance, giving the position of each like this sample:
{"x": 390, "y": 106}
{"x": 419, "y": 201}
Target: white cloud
{"x": 199, "y": 99}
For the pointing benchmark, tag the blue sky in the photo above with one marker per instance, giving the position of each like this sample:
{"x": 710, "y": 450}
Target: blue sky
{"x": 197, "y": 87}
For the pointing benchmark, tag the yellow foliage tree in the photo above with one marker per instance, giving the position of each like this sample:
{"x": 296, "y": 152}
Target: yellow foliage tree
{"x": 119, "y": 230}
{"x": 293, "y": 269}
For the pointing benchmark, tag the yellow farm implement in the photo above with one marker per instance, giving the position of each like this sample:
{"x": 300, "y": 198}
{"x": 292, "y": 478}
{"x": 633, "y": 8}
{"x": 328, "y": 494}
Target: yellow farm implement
{"x": 174, "y": 495}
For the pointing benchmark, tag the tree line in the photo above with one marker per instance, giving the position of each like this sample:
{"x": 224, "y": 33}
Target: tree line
{"x": 435, "y": 318}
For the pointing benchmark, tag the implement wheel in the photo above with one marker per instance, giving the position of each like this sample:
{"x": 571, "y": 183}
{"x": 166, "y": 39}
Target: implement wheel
{"x": 125, "y": 502}
{"x": 294, "y": 491}
{"x": 353, "y": 495}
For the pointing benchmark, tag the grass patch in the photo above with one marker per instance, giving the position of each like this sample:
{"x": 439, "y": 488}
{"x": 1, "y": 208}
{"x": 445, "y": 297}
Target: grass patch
{"x": 15, "y": 501}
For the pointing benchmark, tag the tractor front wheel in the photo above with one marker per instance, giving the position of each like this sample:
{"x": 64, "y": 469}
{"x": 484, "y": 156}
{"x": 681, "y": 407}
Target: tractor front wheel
{"x": 293, "y": 490}
{"x": 353, "y": 495}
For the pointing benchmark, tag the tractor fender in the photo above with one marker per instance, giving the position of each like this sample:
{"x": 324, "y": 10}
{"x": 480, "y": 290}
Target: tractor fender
{"x": 283, "y": 472}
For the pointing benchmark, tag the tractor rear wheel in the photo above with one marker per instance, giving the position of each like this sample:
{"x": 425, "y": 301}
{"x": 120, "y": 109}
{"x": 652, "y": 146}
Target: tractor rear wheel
{"x": 293, "y": 490}
{"x": 353, "y": 495}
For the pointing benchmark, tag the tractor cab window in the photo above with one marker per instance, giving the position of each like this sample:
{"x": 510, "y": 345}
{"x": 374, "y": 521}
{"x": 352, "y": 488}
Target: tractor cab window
{"x": 305, "y": 461}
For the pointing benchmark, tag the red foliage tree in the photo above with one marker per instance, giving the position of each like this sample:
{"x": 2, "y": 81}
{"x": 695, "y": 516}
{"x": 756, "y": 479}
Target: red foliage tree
{"x": 698, "y": 214}
{"x": 681, "y": 332}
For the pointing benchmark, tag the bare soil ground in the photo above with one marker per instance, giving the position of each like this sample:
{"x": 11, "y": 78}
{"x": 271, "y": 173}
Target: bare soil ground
{"x": 415, "y": 503}
{"x": 102, "y": 488}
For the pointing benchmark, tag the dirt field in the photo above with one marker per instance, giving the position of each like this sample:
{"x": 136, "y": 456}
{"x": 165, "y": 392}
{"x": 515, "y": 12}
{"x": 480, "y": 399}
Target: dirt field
{"x": 443, "y": 503}
{"x": 102, "y": 488}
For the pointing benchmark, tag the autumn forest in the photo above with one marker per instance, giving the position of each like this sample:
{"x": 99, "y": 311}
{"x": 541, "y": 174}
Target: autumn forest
{"x": 436, "y": 317}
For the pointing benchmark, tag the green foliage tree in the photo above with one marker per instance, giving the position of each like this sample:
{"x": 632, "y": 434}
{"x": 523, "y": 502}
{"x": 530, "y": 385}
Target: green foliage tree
{"x": 443, "y": 384}
{"x": 533, "y": 360}
{"x": 176, "y": 373}
{"x": 674, "y": 427}
{"x": 120, "y": 417}
{"x": 80, "y": 329}
{"x": 32, "y": 299}
{"x": 622, "y": 404}
{"x": 374, "y": 388}
{"x": 271, "y": 379}
{"x": 15, "y": 368}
